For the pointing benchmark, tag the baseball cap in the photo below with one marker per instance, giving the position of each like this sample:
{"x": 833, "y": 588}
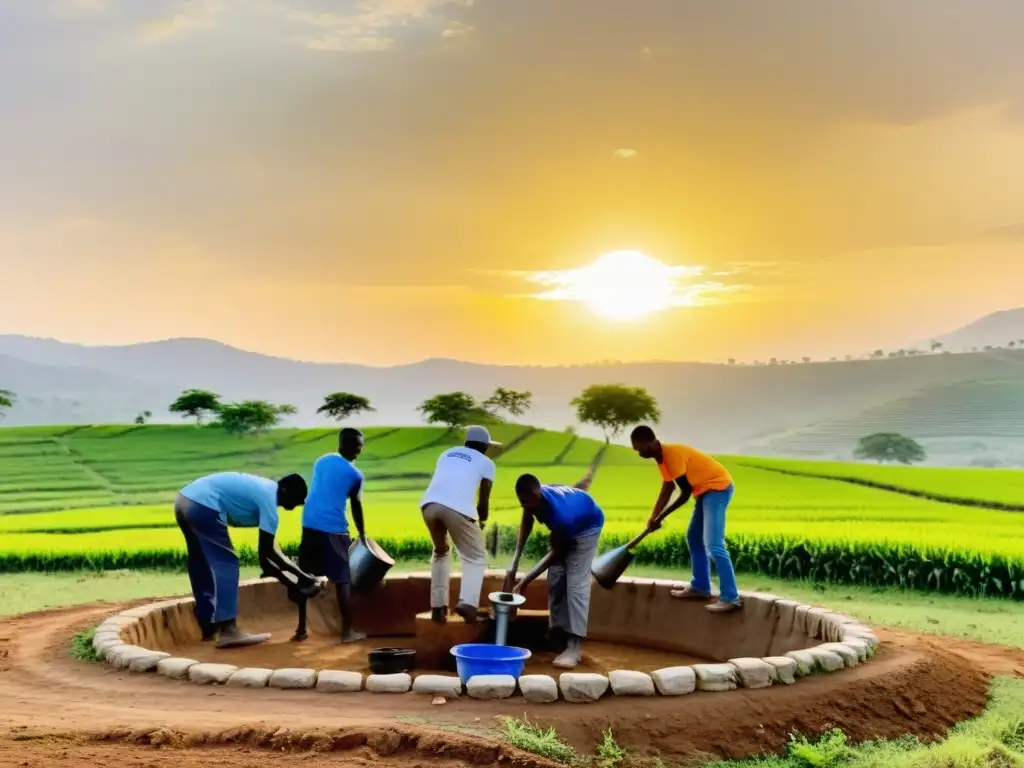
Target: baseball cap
{"x": 477, "y": 434}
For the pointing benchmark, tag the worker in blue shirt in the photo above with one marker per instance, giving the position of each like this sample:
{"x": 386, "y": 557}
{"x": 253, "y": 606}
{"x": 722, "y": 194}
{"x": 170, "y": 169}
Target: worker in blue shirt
{"x": 337, "y": 483}
{"x": 204, "y": 509}
{"x": 575, "y": 521}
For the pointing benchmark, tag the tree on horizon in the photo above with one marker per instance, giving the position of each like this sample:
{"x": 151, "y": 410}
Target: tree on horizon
{"x": 343, "y": 405}
{"x": 7, "y": 400}
{"x": 196, "y": 403}
{"x": 613, "y": 407}
{"x": 513, "y": 402}
{"x": 889, "y": 447}
{"x": 251, "y": 416}
{"x": 452, "y": 409}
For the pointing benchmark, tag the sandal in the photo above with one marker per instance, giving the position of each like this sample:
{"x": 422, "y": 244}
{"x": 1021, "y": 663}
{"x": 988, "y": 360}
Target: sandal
{"x": 724, "y": 606}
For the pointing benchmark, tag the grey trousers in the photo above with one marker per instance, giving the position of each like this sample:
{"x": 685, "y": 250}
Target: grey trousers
{"x": 465, "y": 533}
{"x": 569, "y": 585}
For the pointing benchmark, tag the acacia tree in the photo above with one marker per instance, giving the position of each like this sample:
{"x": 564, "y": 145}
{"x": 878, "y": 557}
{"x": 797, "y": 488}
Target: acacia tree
{"x": 251, "y": 416}
{"x": 7, "y": 400}
{"x": 513, "y": 402}
{"x": 195, "y": 404}
{"x": 889, "y": 446}
{"x": 143, "y": 417}
{"x": 613, "y": 407}
{"x": 452, "y": 409}
{"x": 341, "y": 405}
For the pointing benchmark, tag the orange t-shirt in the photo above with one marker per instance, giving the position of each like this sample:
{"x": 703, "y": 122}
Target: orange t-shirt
{"x": 702, "y": 472}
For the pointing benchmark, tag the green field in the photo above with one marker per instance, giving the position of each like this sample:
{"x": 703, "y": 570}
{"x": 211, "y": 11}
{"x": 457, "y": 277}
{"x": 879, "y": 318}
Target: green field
{"x": 99, "y": 497}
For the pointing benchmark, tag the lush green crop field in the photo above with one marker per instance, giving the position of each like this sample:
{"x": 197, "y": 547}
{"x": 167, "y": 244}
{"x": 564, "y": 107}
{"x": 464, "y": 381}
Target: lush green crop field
{"x": 115, "y": 486}
{"x": 996, "y": 486}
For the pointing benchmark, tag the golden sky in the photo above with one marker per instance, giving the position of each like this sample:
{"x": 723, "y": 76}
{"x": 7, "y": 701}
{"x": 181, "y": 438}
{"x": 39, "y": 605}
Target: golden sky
{"x": 388, "y": 180}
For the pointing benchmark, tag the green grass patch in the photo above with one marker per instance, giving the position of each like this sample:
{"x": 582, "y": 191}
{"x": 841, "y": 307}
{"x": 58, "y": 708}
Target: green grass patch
{"x": 545, "y": 742}
{"x": 81, "y": 646}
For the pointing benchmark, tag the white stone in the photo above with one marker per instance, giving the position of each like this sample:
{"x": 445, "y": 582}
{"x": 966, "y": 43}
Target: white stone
{"x": 627, "y": 682}
{"x": 208, "y": 674}
{"x": 826, "y": 660}
{"x": 104, "y": 647}
{"x": 753, "y": 673}
{"x": 715, "y": 677}
{"x": 105, "y": 637}
{"x": 861, "y": 646}
{"x": 440, "y": 685}
{"x": 805, "y": 663}
{"x": 397, "y": 683}
{"x": 785, "y": 668}
{"x": 250, "y": 677}
{"x": 539, "y": 689}
{"x": 491, "y": 686}
{"x": 861, "y": 632}
{"x": 120, "y": 656}
{"x": 675, "y": 681}
{"x": 580, "y": 687}
{"x": 849, "y": 655}
{"x": 146, "y": 663}
{"x": 339, "y": 681}
{"x": 175, "y": 667}
{"x": 137, "y": 613}
{"x": 290, "y": 678}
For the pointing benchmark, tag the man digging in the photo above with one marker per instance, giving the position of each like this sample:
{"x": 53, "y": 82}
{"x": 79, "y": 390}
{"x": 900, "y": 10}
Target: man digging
{"x": 203, "y": 510}
{"x": 711, "y": 486}
{"x": 324, "y": 549}
{"x": 575, "y": 521}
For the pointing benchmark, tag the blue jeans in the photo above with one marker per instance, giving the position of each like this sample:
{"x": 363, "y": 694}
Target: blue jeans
{"x": 213, "y": 567}
{"x": 706, "y": 536}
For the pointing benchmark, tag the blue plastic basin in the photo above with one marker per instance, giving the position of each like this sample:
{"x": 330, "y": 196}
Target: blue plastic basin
{"x": 485, "y": 659}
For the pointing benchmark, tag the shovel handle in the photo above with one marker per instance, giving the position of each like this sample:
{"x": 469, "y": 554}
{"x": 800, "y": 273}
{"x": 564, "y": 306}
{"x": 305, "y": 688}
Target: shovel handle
{"x": 639, "y": 537}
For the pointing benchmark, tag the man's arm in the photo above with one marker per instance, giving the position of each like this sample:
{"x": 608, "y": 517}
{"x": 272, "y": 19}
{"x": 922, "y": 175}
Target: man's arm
{"x": 355, "y": 499}
{"x": 525, "y": 529}
{"x": 660, "y": 510}
{"x": 483, "y": 501}
{"x": 274, "y": 562}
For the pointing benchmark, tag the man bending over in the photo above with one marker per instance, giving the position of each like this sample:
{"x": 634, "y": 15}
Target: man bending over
{"x": 203, "y": 510}
{"x": 575, "y": 521}
{"x": 336, "y": 484}
{"x": 456, "y": 504}
{"x": 710, "y": 484}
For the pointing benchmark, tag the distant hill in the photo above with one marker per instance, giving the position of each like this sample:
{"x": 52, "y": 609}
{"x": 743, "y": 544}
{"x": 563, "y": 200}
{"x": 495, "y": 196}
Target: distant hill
{"x": 976, "y": 423}
{"x": 999, "y": 329}
{"x": 724, "y": 408}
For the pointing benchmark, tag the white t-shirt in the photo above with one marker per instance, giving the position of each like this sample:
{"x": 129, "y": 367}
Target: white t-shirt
{"x": 457, "y": 479}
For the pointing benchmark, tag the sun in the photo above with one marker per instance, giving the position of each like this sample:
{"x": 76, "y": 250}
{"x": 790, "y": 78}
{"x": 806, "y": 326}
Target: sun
{"x": 625, "y": 285}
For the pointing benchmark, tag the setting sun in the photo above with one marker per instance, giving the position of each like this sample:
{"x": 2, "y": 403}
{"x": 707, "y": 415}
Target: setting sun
{"x": 621, "y": 285}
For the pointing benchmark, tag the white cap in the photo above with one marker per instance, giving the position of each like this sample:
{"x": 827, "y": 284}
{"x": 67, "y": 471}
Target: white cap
{"x": 477, "y": 434}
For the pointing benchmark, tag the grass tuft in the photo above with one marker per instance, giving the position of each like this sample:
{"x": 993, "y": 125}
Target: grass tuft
{"x": 81, "y": 646}
{"x": 608, "y": 753}
{"x": 545, "y": 742}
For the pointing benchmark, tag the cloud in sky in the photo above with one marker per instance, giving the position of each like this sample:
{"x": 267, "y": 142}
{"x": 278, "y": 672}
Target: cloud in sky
{"x": 625, "y": 153}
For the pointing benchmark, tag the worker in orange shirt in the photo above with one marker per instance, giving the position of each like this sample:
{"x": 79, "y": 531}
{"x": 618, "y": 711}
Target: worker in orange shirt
{"x": 710, "y": 484}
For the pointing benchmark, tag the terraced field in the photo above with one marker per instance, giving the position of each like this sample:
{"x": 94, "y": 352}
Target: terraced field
{"x": 99, "y": 497}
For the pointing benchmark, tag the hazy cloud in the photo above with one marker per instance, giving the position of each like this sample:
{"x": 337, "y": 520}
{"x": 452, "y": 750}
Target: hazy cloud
{"x": 625, "y": 154}
{"x": 189, "y": 14}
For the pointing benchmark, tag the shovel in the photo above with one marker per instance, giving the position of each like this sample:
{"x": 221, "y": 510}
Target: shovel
{"x": 607, "y": 568}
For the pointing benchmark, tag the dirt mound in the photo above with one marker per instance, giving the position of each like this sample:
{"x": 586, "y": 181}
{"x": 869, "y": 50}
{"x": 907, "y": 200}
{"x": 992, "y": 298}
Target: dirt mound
{"x": 58, "y": 708}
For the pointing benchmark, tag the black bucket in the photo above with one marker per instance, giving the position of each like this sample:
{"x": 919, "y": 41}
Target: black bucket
{"x": 368, "y": 565}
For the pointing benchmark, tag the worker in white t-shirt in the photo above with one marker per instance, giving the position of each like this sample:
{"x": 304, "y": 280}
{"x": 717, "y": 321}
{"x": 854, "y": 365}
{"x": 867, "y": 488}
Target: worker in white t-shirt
{"x": 456, "y": 503}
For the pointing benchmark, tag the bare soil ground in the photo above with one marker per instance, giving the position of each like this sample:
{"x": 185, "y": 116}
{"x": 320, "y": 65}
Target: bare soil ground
{"x": 55, "y": 710}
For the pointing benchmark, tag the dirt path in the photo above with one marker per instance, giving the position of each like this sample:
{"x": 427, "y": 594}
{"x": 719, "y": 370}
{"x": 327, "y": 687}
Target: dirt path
{"x": 56, "y": 709}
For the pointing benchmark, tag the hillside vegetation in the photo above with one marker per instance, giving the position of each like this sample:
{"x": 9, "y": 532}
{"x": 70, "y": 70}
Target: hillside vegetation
{"x": 99, "y": 497}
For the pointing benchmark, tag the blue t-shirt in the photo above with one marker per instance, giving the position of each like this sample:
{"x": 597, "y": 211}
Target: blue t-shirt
{"x": 570, "y": 511}
{"x": 334, "y": 476}
{"x": 240, "y": 500}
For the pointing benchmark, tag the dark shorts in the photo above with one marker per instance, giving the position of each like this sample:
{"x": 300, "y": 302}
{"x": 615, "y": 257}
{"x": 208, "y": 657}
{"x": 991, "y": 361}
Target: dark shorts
{"x": 325, "y": 554}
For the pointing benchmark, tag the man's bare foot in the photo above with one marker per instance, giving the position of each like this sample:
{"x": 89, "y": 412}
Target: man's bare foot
{"x": 352, "y": 636}
{"x": 439, "y": 615}
{"x": 571, "y": 656}
{"x": 298, "y": 637}
{"x": 236, "y": 638}
{"x": 467, "y": 612}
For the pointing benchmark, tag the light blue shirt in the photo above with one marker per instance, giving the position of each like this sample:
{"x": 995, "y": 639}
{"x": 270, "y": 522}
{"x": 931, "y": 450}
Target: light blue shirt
{"x": 240, "y": 500}
{"x": 334, "y": 477}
